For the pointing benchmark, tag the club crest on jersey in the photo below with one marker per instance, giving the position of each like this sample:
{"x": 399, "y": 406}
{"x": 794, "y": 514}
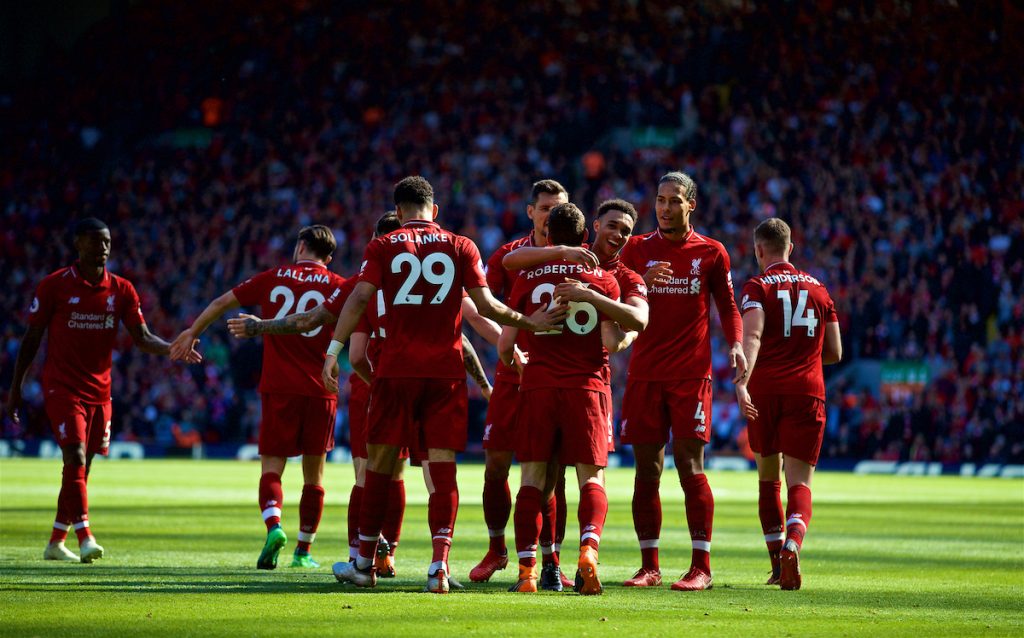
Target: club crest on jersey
{"x": 487, "y": 432}
{"x": 695, "y": 266}
{"x": 110, "y": 303}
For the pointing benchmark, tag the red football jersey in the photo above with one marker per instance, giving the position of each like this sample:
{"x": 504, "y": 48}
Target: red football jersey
{"x": 500, "y": 281}
{"x": 292, "y": 364}
{"x": 631, "y": 285}
{"x": 574, "y": 355}
{"x": 82, "y": 320}
{"x": 796, "y": 308}
{"x": 422, "y": 270}
{"x": 676, "y": 344}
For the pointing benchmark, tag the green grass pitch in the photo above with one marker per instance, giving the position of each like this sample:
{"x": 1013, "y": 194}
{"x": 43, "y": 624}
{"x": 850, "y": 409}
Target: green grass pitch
{"x": 884, "y": 556}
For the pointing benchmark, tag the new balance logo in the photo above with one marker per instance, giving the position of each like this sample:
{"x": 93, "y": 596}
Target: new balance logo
{"x": 74, "y": 300}
{"x": 445, "y": 531}
{"x": 695, "y": 266}
{"x": 271, "y": 503}
{"x": 700, "y": 429}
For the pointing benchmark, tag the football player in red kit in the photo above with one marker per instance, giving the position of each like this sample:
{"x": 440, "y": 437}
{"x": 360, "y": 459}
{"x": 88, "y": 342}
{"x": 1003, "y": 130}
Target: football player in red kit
{"x": 298, "y": 412}
{"x": 790, "y": 330}
{"x": 418, "y": 393}
{"x": 80, "y": 307}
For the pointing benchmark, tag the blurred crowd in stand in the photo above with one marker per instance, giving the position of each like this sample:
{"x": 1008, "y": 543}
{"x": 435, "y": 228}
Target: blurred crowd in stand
{"x": 889, "y": 134}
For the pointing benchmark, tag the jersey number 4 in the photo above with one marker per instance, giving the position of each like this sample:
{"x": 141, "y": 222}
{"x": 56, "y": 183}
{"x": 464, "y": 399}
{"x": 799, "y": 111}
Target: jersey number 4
{"x": 309, "y": 299}
{"x": 804, "y": 316}
{"x": 426, "y": 269}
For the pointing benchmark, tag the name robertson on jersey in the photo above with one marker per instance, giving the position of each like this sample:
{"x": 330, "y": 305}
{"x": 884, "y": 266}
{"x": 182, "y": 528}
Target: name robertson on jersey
{"x": 304, "y": 277}
{"x": 562, "y": 269}
{"x": 788, "y": 278}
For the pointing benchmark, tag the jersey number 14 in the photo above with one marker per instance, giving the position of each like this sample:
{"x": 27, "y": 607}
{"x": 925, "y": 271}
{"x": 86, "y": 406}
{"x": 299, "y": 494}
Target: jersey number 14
{"x": 804, "y": 316}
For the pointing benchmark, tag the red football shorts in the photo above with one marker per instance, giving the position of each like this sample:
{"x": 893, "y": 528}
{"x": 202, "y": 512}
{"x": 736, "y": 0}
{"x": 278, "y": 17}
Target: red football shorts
{"x": 358, "y": 404}
{"x": 295, "y": 424}
{"x": 419, "y": 414}
{"x": 792, "y": 424}
{"x": 502, "y": 416}
{"x": 73, "y": 422}
{"x": 567, "y": 424}
{"x": 651, "y": 410}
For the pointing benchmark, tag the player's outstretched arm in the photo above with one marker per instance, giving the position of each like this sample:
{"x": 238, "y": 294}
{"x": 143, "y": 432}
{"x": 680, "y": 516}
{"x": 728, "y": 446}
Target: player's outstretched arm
{"x": 474, "y": 368}
{"x": 187, "y": 341}
{"x": 354, "y": 308}
{"x": 832, "y": 351}
{"x": 357, "y": 356}
{"x": 631, "y": 315}
{"x": 245, "y": 326}
{"x": 26, "y": 354}
{"x": 151, "y": 344}
{"x": 484, "y": 327}
{"x": 540, "y": 321}
{"x": 527, "y": 256}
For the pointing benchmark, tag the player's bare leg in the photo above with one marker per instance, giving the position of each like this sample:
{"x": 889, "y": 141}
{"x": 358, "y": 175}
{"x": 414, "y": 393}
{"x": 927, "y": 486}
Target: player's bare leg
{"x": 380, "y": 466}
{"x": 593, "y": 511}
{"x": 271, "y": 498}
{"x": 311, "y": 508}
{"x": 529, "y": 505}
{"x": 798, "y": 517}
{"x": 650, "y": 463}
{"x": 769, "y": 508}
{"x": 700, "y": 512}
{"x": 497, "y": 501}
{"x": 391, "y": 532}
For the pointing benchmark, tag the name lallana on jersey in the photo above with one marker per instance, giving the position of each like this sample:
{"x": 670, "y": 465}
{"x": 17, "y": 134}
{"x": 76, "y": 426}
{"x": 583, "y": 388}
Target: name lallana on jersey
{"x": 304, "y": 276}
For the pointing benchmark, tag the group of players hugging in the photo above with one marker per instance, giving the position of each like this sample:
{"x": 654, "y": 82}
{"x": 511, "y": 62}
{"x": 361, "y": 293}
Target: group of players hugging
{"x": 567, "y": 305}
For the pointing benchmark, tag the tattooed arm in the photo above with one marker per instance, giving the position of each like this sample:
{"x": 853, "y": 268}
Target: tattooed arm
{"x": 474, "y": 368}
{"x": 245, "y": 326}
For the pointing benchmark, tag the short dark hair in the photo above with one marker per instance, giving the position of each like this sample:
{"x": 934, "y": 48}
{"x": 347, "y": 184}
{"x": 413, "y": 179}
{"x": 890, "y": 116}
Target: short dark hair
{"x": 549, "y": 186}
{"x": 415, "y": 191}
{"x": 774, "y": 234}
{"x": 320, "y": 239}
{"x": 684, "y": 180}
{"x": 567, "y": 226}
{"x": 88, "y": 225}
{"x": 387, "y": 223}
{"x": 620, "y": 205}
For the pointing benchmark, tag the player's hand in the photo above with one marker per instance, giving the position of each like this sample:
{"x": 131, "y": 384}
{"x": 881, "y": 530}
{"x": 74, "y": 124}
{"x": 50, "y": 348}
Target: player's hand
{"x": 549, "y": 318}
{"x": 743, "y": 399}
{"x": 330, "y": 374}
{"x": 183, "y": 348}
{"x": 244, "y": 326}
{"x": 13, "y": 404}
{"x": 659, "y": 273}
{"x": 519, "y": 359}
{"x": 572, "y": 290}
{"x": 738, "y": 360}
{"x": 580, "y": 255}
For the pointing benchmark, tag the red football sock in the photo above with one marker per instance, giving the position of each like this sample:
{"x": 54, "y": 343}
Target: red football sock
{"x": 61, "y": 522}
{"x": 311, "y": 508}
{"x": 76, "y": 503}
{"x": 371, "y": 515}
{"x": 528, "y": 523}
{"x": 769, "y": 508}
{"x": 798, "y": 513}
{"x": 497, "y": 509}
{"x": 271, "y": 497}
{"x": 561, "y": 512}
{"x": 549, "y": 515}
{"x": 647, "y": 520}
{"x": 592, "y": 512}
{"x": 700, "y": 511}
{"x": 355, "y": 506}
{"x": 442, "y": 508}
{"x": 392, "y": 527}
